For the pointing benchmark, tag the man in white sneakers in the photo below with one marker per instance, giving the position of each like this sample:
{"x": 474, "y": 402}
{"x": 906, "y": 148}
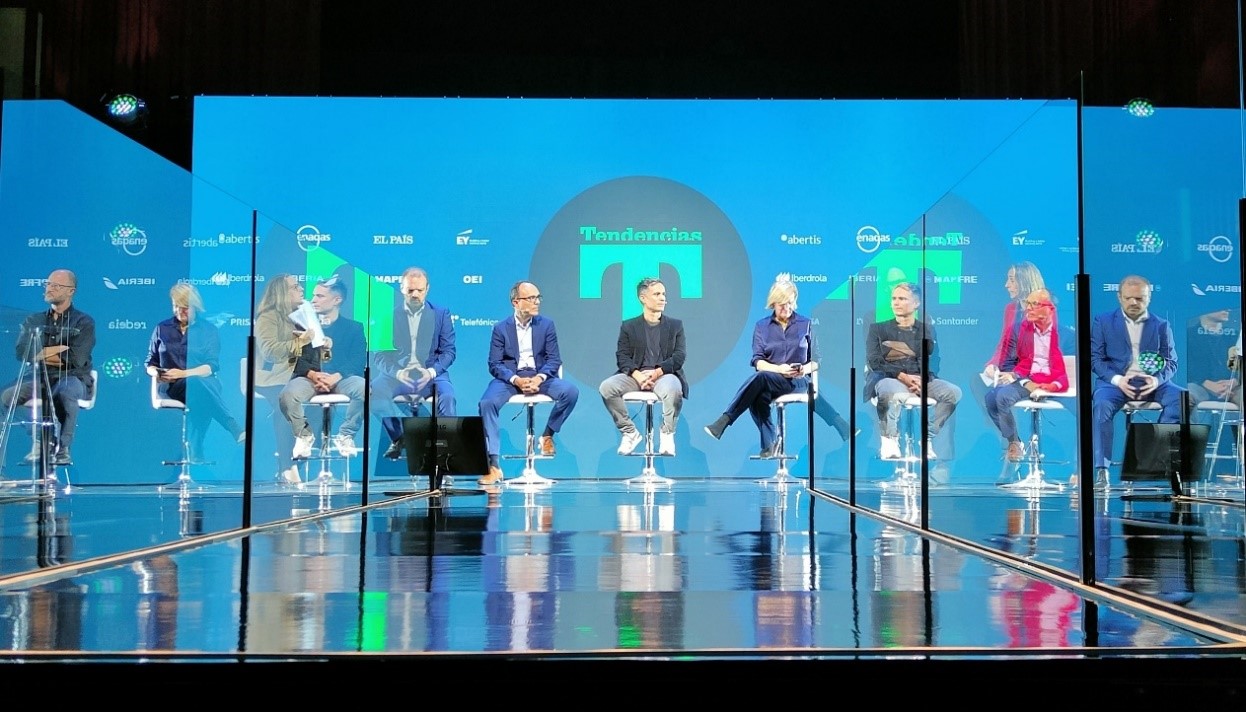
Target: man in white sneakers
{"x": 650, "y": 357}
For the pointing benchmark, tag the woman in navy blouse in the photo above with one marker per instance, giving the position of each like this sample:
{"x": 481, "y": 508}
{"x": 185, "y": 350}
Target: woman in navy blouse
{"x": 185, "y": 356}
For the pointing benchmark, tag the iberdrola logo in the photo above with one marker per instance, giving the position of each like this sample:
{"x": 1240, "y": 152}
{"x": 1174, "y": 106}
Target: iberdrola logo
{"x": 129, "y": 237}
{"x": 1149, "y": 241}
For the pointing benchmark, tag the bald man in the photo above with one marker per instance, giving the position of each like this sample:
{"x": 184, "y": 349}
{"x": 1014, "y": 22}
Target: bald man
{"x": 59, "y": 340}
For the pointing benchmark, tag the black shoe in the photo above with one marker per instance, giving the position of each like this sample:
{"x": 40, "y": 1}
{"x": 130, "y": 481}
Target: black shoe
{"x": 716, "y": 428}
{"x": 767, "y": 453}
{"x": 63, "y": 457}
{"x": 395, "y": 450}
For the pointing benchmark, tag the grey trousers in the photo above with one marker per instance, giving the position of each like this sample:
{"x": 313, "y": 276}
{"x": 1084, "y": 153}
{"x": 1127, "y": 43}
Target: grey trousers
{"x": 668, "y": 389}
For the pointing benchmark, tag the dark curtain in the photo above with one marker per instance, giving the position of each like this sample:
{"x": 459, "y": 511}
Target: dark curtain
{"x": 1172, "y": 52}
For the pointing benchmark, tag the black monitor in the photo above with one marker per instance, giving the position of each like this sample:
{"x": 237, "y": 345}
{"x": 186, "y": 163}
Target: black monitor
{"x": 460, "y": 445}
{"x": 1153, "y": 453}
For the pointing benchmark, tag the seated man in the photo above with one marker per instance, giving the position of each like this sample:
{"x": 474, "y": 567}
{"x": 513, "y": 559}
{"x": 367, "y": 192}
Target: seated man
{"x": 419, "y": 364}
{"x": 1208, "y": 374}
{"x": 63, "y": 353}
{"x": 524, "y": 358}
{"x": 345, "y": 352}
{"x": 1134, "y": 359}
{"x": 650, "y": 357}
{"x": 1034, "y": 363}
{"x": 893, "y": 349}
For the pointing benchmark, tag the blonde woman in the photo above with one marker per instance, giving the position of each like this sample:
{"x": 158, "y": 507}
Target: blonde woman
{"x": 185, "y": 356}
{"x": 785, "y": 353}
{"x": 278, "y": 344}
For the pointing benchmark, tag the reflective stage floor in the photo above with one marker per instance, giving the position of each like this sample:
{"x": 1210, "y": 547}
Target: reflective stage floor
{"x": 615, "y": 574}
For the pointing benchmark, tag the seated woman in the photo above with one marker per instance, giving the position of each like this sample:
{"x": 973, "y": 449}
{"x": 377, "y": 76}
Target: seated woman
{"x": 185, "y": 356}
{"x": 785, "y": 353}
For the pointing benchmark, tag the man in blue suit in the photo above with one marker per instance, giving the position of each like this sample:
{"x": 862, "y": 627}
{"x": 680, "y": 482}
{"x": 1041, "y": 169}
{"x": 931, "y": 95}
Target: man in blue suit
{"x": 1134, "y": 359}
{"x": 423, "y": 352}
{"x": 524, "y": 358}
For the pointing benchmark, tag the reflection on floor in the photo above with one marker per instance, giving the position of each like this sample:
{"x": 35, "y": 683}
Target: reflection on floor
{"x": 714, "y": 569}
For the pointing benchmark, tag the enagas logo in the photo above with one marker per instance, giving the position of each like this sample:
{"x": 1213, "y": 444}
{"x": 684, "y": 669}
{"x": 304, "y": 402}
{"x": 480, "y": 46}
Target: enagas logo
{"x": 869, "y": 239}
{"x": 128, "y": 238}
{"x": 602, "y": 242}
{"x": 309, "y": 238}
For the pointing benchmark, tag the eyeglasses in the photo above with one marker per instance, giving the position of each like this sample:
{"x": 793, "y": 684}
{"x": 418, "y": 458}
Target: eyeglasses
{"x": 60, "y": 286}
{"x": 1032, "y": 305}
{"x": 533, "y": 298}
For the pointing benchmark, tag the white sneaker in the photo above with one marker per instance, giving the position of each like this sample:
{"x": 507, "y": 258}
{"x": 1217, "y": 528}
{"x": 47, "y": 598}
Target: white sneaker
{"x": 889, "y": 448}
{"x": 291, "y": 476}
{"x": 629, "y": 442}
{"x": 345, "y": 445}
{"x": 930, "y": 453}
{"x": 666, "y": 443}
{"x": 303, "y": 447}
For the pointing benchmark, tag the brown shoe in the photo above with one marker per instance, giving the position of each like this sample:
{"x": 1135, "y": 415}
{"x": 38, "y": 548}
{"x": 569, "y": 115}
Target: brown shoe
{"x": 547, "y": 445}
{"x": 1016, "y": 451}
{"x": 493, "y": 478}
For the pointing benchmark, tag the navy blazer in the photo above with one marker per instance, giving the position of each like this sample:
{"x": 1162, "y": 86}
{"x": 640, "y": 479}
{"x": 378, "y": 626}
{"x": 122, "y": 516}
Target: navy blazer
{"x": 630, "y": 352}
{"x": 504, "y": 348}
{"x": 1110, "y": 351}
{"x": 443, "y": 349}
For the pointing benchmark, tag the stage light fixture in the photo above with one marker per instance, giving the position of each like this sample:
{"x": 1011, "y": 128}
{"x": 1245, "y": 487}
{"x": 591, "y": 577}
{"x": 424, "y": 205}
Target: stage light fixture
{"x": 126, "y": 109}
{"x": 1140, "y": 108}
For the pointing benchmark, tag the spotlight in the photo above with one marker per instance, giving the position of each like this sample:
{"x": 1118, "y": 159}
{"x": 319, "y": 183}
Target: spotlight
{"x": 126, "y": 109}
{"x": 1140, "y": 108}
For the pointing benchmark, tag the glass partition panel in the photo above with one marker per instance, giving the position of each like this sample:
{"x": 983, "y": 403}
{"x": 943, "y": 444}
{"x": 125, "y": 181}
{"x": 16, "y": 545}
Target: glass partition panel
{"x": 1163, "y": 186}
{"x": 102, "y": 240}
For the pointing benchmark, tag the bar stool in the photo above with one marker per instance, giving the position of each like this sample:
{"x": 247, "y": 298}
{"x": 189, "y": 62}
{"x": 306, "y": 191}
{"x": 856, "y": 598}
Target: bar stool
{"x": 1221, "y": 413}
{"x": 327, "y": 403}
{"x": 779, "y": 405}
{"x": 159, "y": 402}
{"x": 40, "y": 426}
{"x": 910, "y": 452}
{"x": 529, "y": 403}
{"x": 1038, "y": 402}
{"x": 648, "y": 475}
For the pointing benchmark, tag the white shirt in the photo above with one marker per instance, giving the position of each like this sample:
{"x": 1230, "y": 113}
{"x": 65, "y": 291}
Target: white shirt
{"x": 1042, "y": 351}
{"x": 524, "y": 332}
{"x": 1135, "y": 338}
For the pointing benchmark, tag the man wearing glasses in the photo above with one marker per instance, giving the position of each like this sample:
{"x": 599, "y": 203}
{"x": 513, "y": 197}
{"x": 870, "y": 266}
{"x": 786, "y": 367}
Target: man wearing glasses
{"x": 1034, "y": 363}
{"x": 1134, "y": 358}
{"x": 60, "y": 340}
{"x": 524, "y": 358}
{"x": 420, "y": 362}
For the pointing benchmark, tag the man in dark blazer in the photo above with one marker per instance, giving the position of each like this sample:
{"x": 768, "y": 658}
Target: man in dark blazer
{"x": 420, "y": 361}
{"x": 1134, "y": 359}
{"x": 650, "y": 357}
{"x": 524, "y": 358}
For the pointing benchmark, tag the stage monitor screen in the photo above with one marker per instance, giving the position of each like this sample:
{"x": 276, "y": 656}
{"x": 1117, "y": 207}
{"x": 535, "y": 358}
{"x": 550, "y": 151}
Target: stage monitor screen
{"x": 458, "y": 449}
{"x": 1153, "y": 452}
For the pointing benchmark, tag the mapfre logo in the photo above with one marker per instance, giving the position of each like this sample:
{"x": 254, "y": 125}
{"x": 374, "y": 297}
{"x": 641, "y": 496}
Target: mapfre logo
{"x": 309, "y": 238}
{"x": 129, "y": 238}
